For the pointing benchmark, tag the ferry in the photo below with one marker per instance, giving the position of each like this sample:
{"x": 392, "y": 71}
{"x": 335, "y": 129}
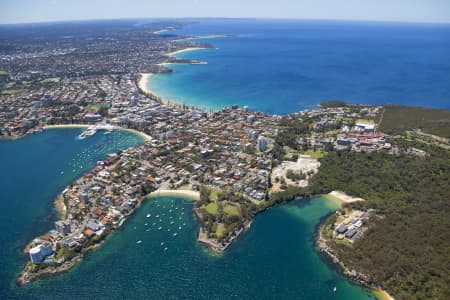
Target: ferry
{"x": 88, "y": 132}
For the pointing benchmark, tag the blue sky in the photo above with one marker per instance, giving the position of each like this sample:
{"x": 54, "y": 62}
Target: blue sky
{"x": 18, "y": 11}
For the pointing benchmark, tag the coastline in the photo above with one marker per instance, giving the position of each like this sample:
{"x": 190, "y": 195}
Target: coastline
{"x": 65, "y": 126}
{"x": 342, "y": 197}
{"x": 144, "y": 78}
{"x": 145, "y": 136}
{"x": 322, "y": 246}
{"x": 173, "y": 53}
{"x": 194, "y": 195}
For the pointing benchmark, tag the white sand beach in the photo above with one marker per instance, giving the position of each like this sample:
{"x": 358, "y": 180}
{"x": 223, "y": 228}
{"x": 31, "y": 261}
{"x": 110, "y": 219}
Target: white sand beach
{"x": 187, "y": 193}
{"x": 343, "y": 197}
{"x": 184, "y": 50}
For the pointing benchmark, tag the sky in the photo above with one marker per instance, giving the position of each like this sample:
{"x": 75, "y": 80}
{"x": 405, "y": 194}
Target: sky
{"x": 21, "y": 11}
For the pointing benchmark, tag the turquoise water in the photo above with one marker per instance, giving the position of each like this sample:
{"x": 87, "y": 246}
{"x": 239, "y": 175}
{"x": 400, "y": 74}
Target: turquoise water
{"x": 286, "y": 66}
{"x": 34, "y": 170}
{"x": 275, "y": 259}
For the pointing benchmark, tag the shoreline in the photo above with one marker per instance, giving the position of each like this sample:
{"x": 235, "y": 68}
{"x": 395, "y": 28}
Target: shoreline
{"x": 193, "y": 195}
{"x": 174, "y": 53}
{"x": 144, "y": 79}
{"x": 342, "y": 197}
{"x": 68, "y": 126}
{"x": 322, "y": 246}
{"x": 145, "y": 136}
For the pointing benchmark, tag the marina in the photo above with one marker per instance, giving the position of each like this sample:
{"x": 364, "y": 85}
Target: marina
{"x": 92, "y": 130}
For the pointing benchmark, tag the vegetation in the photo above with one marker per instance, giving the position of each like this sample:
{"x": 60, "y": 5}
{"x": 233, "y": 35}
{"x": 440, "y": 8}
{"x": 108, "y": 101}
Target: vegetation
{"x": 407, "y": 250}
{"x": 295, "y": 176}
{"x": 51, "y": 80}
{"x": 223, "y": 213}
{"x": 315, "y": 154}
{"x": 397, "y": 119}
{"x": 333, "y": 103}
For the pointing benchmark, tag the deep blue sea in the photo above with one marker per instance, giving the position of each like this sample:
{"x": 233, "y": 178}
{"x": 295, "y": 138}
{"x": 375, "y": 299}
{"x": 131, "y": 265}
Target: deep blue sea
{"x": 285, "y": 66}
{"x": 275, "y": 259}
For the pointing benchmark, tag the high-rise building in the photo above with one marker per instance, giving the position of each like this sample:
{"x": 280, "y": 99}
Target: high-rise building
{"x": 262, "y": 143}
{"x": 38, "y": 253}
{"x": 62, "y": 227}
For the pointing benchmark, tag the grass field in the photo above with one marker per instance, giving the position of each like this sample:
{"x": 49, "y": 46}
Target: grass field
{"x": 9, "y": 85}
{"x": 315, "y": 154}
{"x": 12, "y": 92}
{"x": 51, "y": 80}
{"x": 232, "y": 210}
{"x": 212, "y": 208}
{"x": 220, "y": 229}
{"x": 91, "y": 106}
{"x": 365, "y": 121}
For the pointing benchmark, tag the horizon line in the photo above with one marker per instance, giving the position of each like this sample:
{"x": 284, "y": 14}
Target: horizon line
{"x": 228, "y": 18}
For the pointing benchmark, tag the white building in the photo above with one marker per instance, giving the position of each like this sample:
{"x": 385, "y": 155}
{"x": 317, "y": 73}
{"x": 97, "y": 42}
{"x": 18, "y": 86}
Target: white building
{"x": 38, "y": 253}
{"x": 262, "y": 143}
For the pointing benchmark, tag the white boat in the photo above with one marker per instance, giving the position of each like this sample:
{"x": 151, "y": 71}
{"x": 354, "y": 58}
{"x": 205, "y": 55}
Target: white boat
{"x": 88, "y": 132}
{"x": 138, "y": 242}
{"x": 148, "y": 215}
{"x": 175, "y": 234}
{"x": 162, "y": 243}
{"x": 165, "y": 249}
{"x": 334, "y": 289}
{"x": 159, "y": 228}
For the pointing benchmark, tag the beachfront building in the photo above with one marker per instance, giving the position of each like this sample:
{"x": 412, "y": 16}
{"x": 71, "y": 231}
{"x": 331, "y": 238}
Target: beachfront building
{"x": 63, "y": 227}
{"x": 262, "y": 143}
{"x": 40, "y": 252}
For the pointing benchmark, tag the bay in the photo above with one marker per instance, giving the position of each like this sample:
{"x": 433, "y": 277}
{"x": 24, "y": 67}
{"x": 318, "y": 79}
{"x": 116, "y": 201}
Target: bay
{"x": 284, "y": 66}
{"x": 275, "y": 259}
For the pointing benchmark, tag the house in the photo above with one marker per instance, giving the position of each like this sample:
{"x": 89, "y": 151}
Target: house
{"x": 349, "y": 234}
{"x": 341, "y": 229}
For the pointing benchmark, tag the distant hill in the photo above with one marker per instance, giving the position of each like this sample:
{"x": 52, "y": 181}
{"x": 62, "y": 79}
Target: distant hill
{"x": 397, "y": 119}
{"x": 332, "y": 103}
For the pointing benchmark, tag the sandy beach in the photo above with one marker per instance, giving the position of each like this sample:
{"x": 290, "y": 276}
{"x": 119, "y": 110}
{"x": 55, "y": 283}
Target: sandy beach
{"x": 384, "y": 295}
{"x": 184, "y": 50}
{"x": 143, "y": 83}
{"x": 343, "y": 197}
{"x": 66, "y": 126}
{"x": 186, "y": 193}
{"x": 146, "y": 137}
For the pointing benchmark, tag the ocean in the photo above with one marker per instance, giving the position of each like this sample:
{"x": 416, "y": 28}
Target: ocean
{"x": 281, "y": 67}
{"x": 275, "y": 259}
